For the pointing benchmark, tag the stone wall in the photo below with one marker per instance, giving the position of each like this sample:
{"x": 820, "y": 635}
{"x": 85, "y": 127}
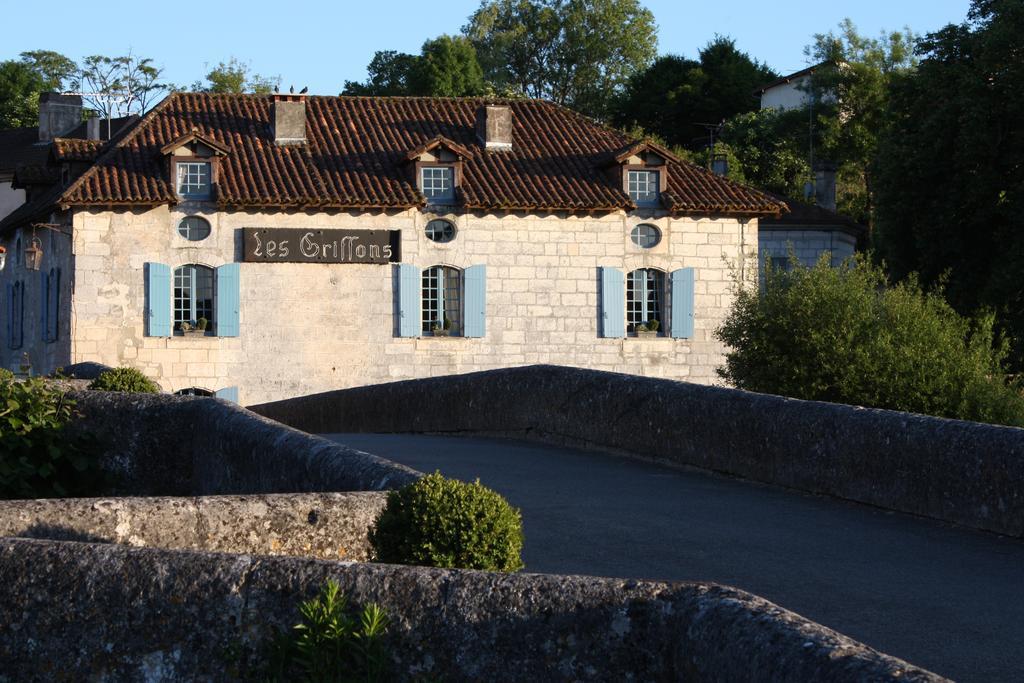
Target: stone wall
{"x": 961, "y": 472}
{"x": 322, "y": 525}
{"x": 115, "y": 613}
{"x": 807, "y": 245}
{"x": 313, "y": 327}
{"x": 160, "y": 445}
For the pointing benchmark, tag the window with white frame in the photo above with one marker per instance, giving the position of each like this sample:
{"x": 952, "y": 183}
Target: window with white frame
{"x": 645, "y": 297}
{"x": 437, "y": 183}
{"x": 440, "y": 230}
{"x": 645, "y": 236}
{"x": 193, "y": 391}
{"x": 193, "y": 179}
{"x": 193, "y": 295}
{"x": 442, "y": 301}
{"x": 643, "y": 187}
{"x": 194, "y": 228}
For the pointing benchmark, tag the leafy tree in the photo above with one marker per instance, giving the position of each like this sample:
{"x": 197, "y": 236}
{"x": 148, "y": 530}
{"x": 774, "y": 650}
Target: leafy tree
{"x": 447, "y": 67}
{"x": 58, "y": 72}
{"x": 20, "y": 86}
{"x": 389, "y": 73}
{"x": 771, "y": 148}
{"x": 856, "y": 105}
{"x": 133, "y": 81}
{"x": 673, "y": 96}
{"x": 234, "y": 77}
{"x": 846, "y": 335}
{"x": 574, "y": 52}
{"x": 950, "y": 182}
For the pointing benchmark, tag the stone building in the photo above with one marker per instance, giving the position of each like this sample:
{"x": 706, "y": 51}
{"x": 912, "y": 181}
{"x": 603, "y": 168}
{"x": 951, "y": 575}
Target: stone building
{"x": 329, "y": 242}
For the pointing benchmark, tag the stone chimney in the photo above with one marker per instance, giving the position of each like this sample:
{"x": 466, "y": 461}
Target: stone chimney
{"x": 288, "y": 119}
{"x": 58, "y": 114}
{"x": 494, "y": 126}
{"x": 720, "y": 165}
{"x": 825, "y": 185}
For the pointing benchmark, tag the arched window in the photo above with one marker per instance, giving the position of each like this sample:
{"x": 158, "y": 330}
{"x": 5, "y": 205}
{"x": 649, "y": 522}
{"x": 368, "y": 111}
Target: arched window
{"x": 645, "y": 297}
{"x": 194, "y": 228}
{"x": 442, "y": 301}
{"x": 193, "y": 295}
{"x": 193, "y": 391}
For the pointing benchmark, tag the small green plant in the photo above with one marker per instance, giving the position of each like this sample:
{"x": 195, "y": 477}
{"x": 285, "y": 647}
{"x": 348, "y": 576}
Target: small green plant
{"x": 439, "y": 522}
{"x": 127, "y": 380}
{"x": 330, "y": 644}
{"x": 653, "y": 325}
{"x": 202, "y": 324}
{"x": 37, "y": 457}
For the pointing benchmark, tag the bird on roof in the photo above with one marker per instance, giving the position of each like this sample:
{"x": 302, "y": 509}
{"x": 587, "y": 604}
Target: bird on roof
{"x": 292, "y": 90}
{"x": 277, "y": 88}
{"x": 304, "y": 90}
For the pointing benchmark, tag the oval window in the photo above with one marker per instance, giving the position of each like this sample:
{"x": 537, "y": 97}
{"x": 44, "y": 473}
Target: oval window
{"x": 645, "y": 236}
{"x": 194, "y": 228}
{"x": 440, "y": 230}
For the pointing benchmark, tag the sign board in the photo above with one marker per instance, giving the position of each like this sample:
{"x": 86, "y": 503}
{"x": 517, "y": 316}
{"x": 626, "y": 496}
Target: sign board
{"x": 300, "y": 245}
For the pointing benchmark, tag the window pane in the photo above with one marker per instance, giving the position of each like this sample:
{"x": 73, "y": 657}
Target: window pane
{"x": 645, "y": 294}
{"x": 194, "y": 179}
{"x": 645, "y": 236}
{"x": 436, "y": 182}
{"x": 194, "y": 228}
{"x": 440, "y": 230}
{"x": 643, "y": 186}
{"x": 193, "y": 295}
{"x": 442, "y": 299}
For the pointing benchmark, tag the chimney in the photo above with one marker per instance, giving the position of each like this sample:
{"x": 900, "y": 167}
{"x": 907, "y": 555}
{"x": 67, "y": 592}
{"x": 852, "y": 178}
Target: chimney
{"x": 720, "y": 165}
{"x": 92, "y": 128}
{"x": 58, "y": 114}
{"x": 494, "y": 126}
{"x": 825, "y": 185}
{"x": 288, "y": 119}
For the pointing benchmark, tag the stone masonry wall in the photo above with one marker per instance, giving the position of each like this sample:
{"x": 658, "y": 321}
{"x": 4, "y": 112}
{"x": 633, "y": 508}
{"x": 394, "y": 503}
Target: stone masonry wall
{"x": 314, "y": 327}
{"x": 108, "y": 612}
{"x": 961, "y": 472}
{"x": 323, "y": 525}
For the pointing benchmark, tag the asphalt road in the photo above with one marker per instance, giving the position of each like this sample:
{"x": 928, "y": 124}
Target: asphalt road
{"x": 945, "y": 598}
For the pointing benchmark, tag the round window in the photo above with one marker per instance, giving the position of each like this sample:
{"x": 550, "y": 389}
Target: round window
{"x": 440, "y": 230}
{"x": 645, "y": 236}
{"x": 194, "y": 228}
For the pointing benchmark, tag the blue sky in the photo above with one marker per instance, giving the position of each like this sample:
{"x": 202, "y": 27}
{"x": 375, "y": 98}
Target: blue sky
{"x": 323, "y": 43}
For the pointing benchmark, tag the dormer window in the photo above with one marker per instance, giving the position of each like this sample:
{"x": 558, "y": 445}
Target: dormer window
{"x": 193, "y": 165}
{"x": 438, "y": 164}
{"x": 193, "y": 179}
{"x": 644, "y": 187}
{"x": 438, "y": 184}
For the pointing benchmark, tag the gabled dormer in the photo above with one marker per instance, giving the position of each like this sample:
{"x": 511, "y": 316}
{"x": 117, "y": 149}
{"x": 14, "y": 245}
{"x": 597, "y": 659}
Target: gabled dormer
{"x": 644, "y": 168}
{"x": 193, "y": 163}
{"x": 438, "y": 169}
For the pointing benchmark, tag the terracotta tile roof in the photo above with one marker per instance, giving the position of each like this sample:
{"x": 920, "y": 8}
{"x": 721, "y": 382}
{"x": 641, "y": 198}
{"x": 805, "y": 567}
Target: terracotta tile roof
{"x": 73, "y": 149}
{"x": 356, "y": 158}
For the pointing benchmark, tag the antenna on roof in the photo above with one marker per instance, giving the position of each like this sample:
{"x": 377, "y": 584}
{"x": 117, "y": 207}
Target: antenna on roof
{"x": 713, "y": 129}
{"x": 125, "y": 97}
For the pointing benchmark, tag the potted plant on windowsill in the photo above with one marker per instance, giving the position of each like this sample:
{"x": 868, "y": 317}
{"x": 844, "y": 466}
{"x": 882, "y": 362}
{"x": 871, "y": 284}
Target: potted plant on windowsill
{"x": 197, "y": 329}
{"x": 648, "y": 330}
{"x": 442, "y": 329}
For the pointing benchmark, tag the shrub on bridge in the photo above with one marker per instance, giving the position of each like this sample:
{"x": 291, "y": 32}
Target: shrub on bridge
{"x": 847, "y": 335}
{"x": 37, "y": 459}
{"x": 128, "y": 380}
{"x": 438, "y": 522}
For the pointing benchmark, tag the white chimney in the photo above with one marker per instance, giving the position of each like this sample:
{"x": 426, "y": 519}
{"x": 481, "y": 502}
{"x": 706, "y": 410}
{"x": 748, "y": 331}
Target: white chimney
{"x": 494, "y": 126}
{"x": 825, "y": 185}
{"x": 288, "y": 119}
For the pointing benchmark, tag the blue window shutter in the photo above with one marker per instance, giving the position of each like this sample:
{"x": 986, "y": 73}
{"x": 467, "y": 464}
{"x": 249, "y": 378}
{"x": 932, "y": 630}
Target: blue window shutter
{"x": 10, "y": 315}
{"x": 475, "y": 279}
{"x": 53, "y": 314}
{"x": 228, "y": 394}
{"x": 409, "y": 312}
{"x": 44, "y": 304}
{"x": 682, "y": 303}
{"x": 158, "y": 300}
{"x": 19, "y": 313}
{"x": 228, "y": 300}
{"x": 613, "y": 303}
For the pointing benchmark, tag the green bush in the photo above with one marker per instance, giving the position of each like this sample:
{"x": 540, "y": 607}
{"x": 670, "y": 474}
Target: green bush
{"x": 127, "y": 380}
{"x": 330, "y": 644}
{"x": 37, "y": 459}
{"x": 438, "y": 522}
{"x": 847, "y": 335}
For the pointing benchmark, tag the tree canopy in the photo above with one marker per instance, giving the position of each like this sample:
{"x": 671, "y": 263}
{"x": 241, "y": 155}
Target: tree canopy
{"x": 579, "y": 53}
{"x": 20, "y": 86}
{"x": 447, "y": 66}
{"x": 950, "y": 182}
{"x": 236, "y": 77}
{"x": 675, "y": 95}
